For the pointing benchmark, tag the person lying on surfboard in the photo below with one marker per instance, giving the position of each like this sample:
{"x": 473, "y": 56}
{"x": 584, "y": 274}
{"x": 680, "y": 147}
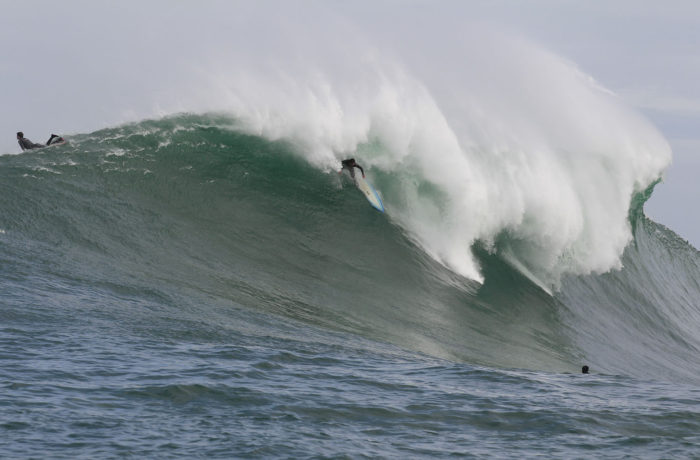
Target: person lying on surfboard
{"x": 350, "y": 164}
{"x": 26, "y": 144}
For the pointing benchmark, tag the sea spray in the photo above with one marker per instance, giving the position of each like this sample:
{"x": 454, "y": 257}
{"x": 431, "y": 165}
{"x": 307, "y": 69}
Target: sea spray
{"x": 518, "y": 150}
{"x": 483, "y": 137}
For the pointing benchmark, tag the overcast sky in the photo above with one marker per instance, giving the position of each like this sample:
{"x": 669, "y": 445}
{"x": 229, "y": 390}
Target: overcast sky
{"x": 68, "y": 66}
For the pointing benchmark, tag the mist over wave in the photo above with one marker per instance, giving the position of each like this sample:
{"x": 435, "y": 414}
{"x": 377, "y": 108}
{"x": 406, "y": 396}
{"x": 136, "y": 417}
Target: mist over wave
{"x": 528, "y": 152}
{"x": 494, "y": 141}
{"x": 484, "y": 136}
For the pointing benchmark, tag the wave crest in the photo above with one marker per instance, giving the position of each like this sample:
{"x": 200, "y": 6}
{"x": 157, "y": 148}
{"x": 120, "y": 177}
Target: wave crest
{"x": 496, "y": 141}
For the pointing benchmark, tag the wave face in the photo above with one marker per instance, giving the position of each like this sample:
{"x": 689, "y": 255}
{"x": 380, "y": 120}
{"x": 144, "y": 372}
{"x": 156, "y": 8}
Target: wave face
{"x": 194, "y": 213}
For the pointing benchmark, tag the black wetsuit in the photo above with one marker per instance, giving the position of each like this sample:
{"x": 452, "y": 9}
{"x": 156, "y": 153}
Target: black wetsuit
{"x": 350, "y": 165}
{"x": 26, "y": 144}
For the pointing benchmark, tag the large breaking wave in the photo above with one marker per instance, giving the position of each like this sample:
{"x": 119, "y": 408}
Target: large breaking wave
{"x": 514, "y": 185}
{"x": 517, "y": 147}
{"x": 472, "y": 135}
{"x": 195, "y": 217}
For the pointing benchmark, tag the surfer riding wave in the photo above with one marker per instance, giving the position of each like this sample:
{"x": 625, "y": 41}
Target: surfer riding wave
{"x": 350, "y": 164}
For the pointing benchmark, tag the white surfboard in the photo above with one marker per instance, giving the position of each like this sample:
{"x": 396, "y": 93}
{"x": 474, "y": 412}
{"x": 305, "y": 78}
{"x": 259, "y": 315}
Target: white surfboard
{"x": 369, "y": 192}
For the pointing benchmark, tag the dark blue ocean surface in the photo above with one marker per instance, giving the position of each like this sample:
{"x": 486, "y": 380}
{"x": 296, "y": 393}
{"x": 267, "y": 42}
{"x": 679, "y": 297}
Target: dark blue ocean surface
{"x": 172, "y": 289}
{"x": 86, "y": 376}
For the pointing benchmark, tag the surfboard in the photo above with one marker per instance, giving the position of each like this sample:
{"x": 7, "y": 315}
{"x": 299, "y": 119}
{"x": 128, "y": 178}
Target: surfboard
{"x": 369, "y": 192}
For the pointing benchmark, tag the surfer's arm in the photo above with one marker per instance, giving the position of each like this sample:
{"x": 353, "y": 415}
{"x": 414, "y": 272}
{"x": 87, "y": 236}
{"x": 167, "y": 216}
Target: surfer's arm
{"x": 361, "y": 170}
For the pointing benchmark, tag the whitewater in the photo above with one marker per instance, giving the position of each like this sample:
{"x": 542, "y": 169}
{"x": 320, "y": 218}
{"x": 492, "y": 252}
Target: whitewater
{"x": 200, "y": 282}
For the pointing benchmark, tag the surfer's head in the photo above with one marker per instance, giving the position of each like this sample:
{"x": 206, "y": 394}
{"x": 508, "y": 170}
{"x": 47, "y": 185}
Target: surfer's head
{"x": 20, "y": 135}
{"x": 584, "y": 370}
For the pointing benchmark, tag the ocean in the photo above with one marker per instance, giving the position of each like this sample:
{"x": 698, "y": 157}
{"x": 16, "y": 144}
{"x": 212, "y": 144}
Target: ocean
{"x": 188, "y": 287}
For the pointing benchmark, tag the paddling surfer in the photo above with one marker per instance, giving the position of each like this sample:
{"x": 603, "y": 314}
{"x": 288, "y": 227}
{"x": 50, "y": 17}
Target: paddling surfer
{"x": 26, "y": 144}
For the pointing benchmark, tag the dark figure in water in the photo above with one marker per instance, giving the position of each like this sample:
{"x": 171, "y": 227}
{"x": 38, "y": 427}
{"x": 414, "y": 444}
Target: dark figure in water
{"x": 350, "y": 164}
{"x": 26, "y": 144}
{"x": 584, "y": 370}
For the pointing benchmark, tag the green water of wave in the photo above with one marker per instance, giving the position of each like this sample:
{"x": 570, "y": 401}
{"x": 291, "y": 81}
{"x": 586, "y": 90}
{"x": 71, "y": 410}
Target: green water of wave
{"x": 188, "y": 206}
